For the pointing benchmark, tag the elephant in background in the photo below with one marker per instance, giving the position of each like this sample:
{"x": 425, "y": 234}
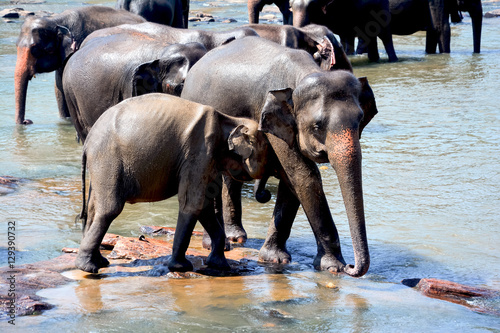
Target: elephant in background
{"x": 316, "y": 39}
{"x": 158, "y": 146}
{"x": 209, "y": 39}
{"x": 256, "y": 6}
{"x": 169, "y": 12}
{"x": 45, "y": 43}
{"x": 350, "y": 19}
{"x": 123, "y": 65}
{"x": 322, "y": 119}
{"x": 433, "y": 16}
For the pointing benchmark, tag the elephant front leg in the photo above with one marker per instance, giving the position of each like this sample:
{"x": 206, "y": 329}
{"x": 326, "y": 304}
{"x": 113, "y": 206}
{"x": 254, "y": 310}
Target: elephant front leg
{"x": 304, "y": 177}
{"x": 61, "y": 101}
{"x": 274, "y": 248}
{"x": 231, "y": 208}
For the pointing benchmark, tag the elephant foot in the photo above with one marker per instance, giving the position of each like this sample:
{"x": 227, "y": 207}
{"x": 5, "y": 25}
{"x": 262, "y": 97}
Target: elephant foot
{"x": 207, "y": 243}
{"x": 273, "y": 254}
{"x": 91, "y": 263}
{"x": 329, "y": 263}
{"x": 235, "y": 233}
{"x": 218, "y": 262}
{"x": 180, "y": 265}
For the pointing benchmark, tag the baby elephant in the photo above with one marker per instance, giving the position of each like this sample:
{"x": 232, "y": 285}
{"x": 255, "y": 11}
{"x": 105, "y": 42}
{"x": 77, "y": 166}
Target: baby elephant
{"x": 151, "y": 147}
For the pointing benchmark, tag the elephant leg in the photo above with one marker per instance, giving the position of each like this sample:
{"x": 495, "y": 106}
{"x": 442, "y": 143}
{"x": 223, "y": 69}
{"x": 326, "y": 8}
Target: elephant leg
{"x": 373, "y": 50}
{"x": 231, "y": 208}
{"x": 185, "y": 226}
{"x": 215, "y": 229}
{"x": 61, "y": 101}
{"x": 285, "y": 210}
{"x": 431, "y": 41}
{"x": 347, "y": 42}
{"x": 305, "y": 179}
{"x": 386, "y": 37}
{"x": 254, "y": 9}
{"x": 284, "y": 7}
{"x": 100, "y": 216}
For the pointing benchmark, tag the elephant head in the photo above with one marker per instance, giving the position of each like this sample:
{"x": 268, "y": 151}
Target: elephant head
{"x": 323, "y": 117}
{"x": 252, "y": 146}
{"x": 307, "y": 11}
{"x": 167, "y": 74}
{"x": 42, "y": 46}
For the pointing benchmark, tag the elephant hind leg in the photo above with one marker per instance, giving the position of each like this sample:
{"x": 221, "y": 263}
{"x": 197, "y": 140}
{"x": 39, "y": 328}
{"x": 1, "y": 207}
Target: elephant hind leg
{"x": 215, "y": 229}
{"x": 100, "y": 216}
{"x": 231, "y": 207}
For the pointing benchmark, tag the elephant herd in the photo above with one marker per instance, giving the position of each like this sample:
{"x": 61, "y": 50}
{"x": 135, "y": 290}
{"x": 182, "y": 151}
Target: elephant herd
{"x": 163, "y": 110}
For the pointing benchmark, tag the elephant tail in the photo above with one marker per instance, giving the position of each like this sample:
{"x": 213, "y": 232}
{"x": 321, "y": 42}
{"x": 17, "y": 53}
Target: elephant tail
{"x": 83, "y": 214}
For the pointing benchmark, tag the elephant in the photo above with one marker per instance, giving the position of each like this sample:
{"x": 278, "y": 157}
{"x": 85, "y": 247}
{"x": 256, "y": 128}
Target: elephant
{"x": 157, "y": 146}
{"x": 317, "y": 40}
{"x": 322, "y": 116}
{"x": 256, "y": 6}
{"x": 123, "y": 65}
{"x": 170, "y": 12}
{"x": 433, "y": 16}
{"x": 45, "y": 43}
{"x": 365, "y": 19}
{"x": 167, "y": 34}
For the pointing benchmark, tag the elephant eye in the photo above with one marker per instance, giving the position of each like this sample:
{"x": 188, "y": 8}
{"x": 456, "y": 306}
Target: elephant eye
{"x": 317, "y": 126}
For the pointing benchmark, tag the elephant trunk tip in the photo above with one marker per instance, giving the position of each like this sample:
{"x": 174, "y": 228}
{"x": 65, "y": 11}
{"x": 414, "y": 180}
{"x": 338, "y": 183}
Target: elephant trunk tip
{"x": 263, "y": 196}
{"x": 358, "y": 270}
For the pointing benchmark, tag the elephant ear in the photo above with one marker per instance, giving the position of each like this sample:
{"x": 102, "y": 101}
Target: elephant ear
{"x": 239, "y": 141}
{"x": 367, "y": 102}
{"x": 146, "y": 78}
{"x": 165, "y": 75}
{"x": 325, "y": 54}
{"x": 277, "y": 115}
{"x": 66, "y": 42}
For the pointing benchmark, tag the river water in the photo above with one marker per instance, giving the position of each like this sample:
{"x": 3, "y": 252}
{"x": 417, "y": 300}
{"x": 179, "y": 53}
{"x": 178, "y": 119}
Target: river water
{"x": 432, "y": 199}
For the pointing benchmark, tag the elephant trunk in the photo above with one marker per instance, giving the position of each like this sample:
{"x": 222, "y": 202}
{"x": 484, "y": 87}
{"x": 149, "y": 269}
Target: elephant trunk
{"x": 344, "y": 154}
{"x": 25, "y": 70}
{"x": 259, "y": 190}
{"x": 476, "y": 15}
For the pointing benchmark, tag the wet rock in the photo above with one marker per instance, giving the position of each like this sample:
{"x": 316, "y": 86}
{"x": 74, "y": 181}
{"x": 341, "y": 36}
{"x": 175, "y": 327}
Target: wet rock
{"x": 26, "y": 280}
{"x": 268, "y": 17}
{"x": 8, "y": 184}
{"x": 9, "y": 13}
{"x": 455, "y": 293}
{"x": 229, "y": 21}
{"x": 156, "y": 230}
{"x": 140, "y": 248}
{"x": 492, "y": 13}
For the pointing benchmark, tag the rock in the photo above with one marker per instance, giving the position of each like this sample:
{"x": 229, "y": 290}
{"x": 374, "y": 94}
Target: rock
{"x": 194, "y": 19}
{"x": 492, "y": 13}
{"x": 268, "y": 17}
{"x": 9, "y": 13}
{"x": 229, "y": 21}
{"x": 156, "y": 230}
{"x": 455, "y": 293}
{"x": 142, "y": 248}
{"x": 8, "y": 184}
{"x": 28, "y": 280}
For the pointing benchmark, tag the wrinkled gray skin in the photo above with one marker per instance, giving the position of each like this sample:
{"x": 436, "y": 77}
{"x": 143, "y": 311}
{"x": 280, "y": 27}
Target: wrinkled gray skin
{"x": 256, "y": 6}
{"x": 310, "y": 38}
{"x": 123, "y": 65}
{"x": 168, "y": 12}
{"x": 45, "y": 43}
{"x": 366, "y": 19}
{"x": 320, "y": 112}
{"x": 158, "y": 146}
{"x": 209, "y": 39}
{"x": 433, "y": 16}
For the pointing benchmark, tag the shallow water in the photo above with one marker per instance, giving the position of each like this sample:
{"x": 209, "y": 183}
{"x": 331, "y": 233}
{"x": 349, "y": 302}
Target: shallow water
{"x": 431, "y": 184}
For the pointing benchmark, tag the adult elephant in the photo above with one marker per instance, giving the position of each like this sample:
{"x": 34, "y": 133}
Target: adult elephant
{"x": 321, "y": 113}
{"x": 367, "y": 19}
{"x": 256, "y": 6}
{"x": 132, "y": 60}
{"x": 123, "y": 66}
{"x": 45, "y": 43}
{"x": 317, "y": 40}
{"x": 433, "y": 16}
{"x": 170, "y": 12}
